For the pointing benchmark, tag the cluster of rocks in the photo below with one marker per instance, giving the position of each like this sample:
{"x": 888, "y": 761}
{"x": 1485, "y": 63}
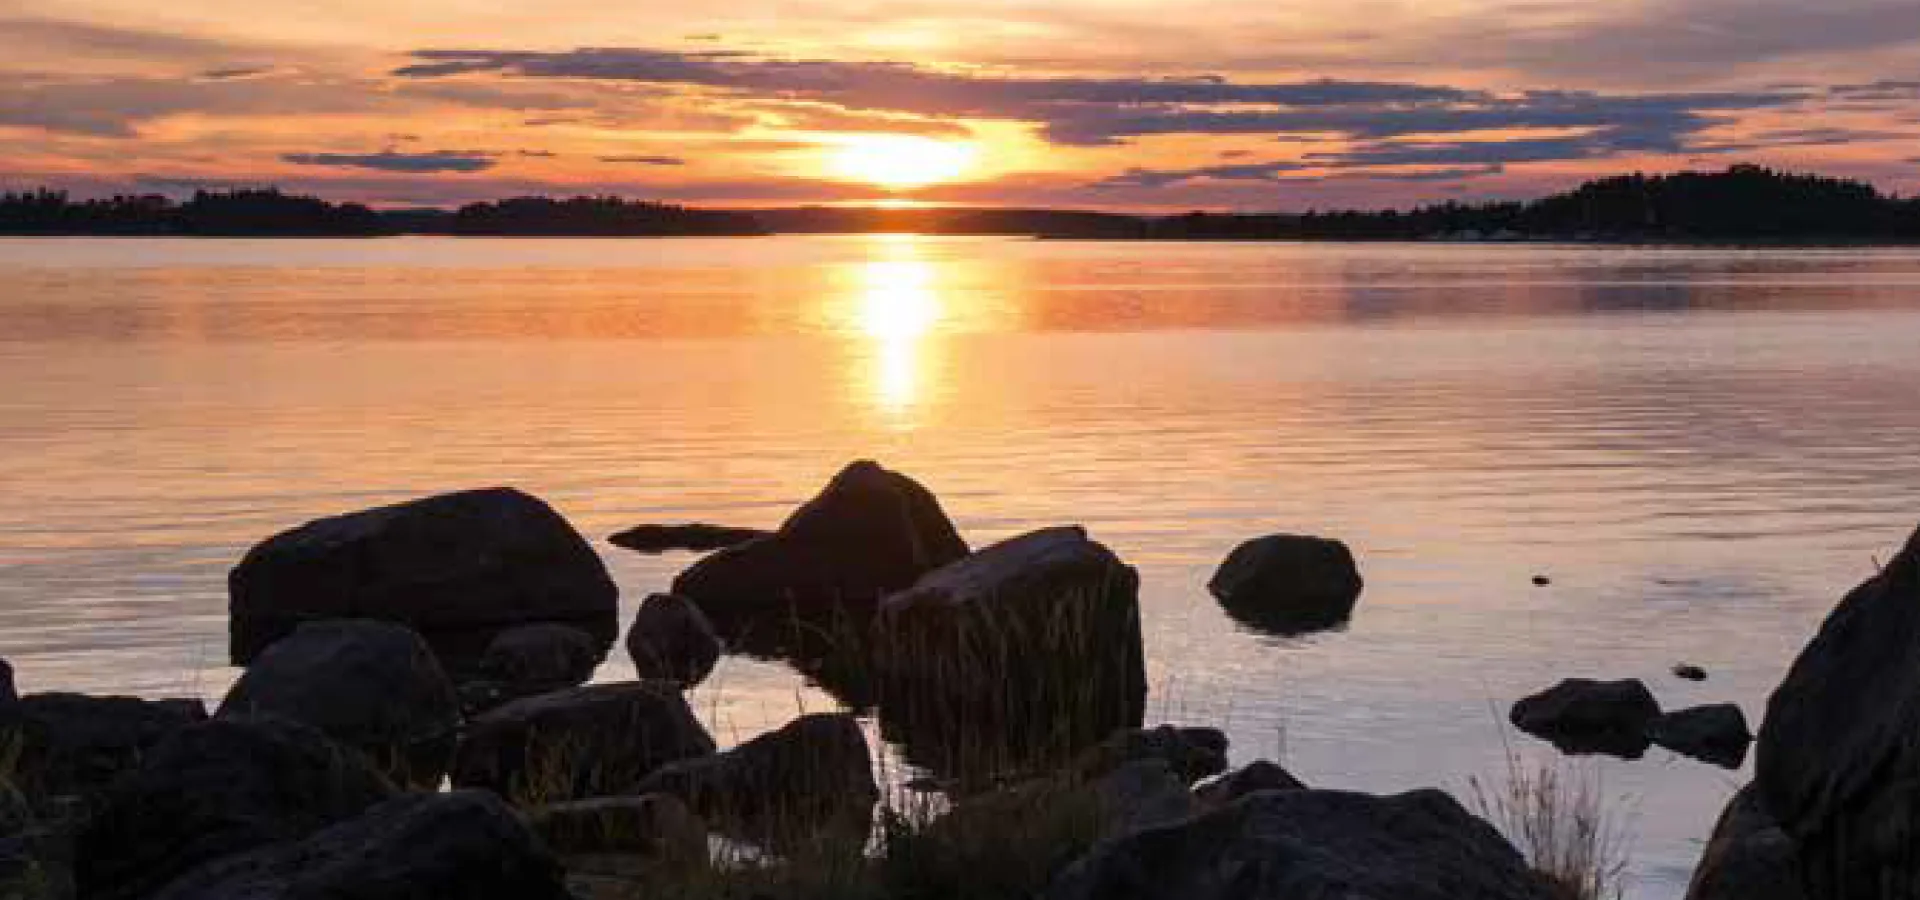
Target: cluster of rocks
{"x": 1580, "y": 716}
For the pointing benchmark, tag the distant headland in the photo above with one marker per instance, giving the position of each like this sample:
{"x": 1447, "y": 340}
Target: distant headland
{"x": 1740, "y": 204}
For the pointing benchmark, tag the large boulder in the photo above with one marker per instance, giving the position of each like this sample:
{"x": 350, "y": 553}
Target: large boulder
{"x": 869, "y": 532}
{"x": 813, "y": 775}
{"x": 1582, "y": 716}
{"x": 215, "y": 789}
{"x": 466, "y": 844}
{"x": 671, "y": 640}
{"x": 588, "y": 741}
{"x": 1715, "y": 734}
{"x": 1027, "y": 650}
{"x": 1309, "y": 845}
{"x": 373, "y": 686}
{"x": 1748, "y": 858}
{"x": 75, "y": 744}
{"x": 1288, "y": 584}
{"x": 1838, "y": 762}
{"x": 458, "y": 568}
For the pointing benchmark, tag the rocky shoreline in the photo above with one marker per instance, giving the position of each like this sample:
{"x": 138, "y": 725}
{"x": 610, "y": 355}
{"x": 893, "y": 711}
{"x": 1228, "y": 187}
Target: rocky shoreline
{"x": 417, "y": 718}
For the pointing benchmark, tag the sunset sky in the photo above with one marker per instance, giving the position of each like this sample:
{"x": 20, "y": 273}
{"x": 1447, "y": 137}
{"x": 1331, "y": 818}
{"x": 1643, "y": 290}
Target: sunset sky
{"x": 1140, "y": 104}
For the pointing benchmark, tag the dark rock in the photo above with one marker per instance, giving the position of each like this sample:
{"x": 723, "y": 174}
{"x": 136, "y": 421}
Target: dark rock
{"x": 1254, "y": 777}
{"x": 1027, "y": 650}
{"x": 588, "y": 741}
{"x": 373, "y": 686}
{"x": 8, "y": 696}
{"x": 1309, "y": 845}
{"x": 458, "y": 568}
{"x": 74, "y": 744}
{"x": 1689, "y": 672}
{"x": 1749, "y": 857}
{"x": 1714, "y": 734}
{"x": 813, "y": 774}
{"x": 215, "y": 789}
{"x": 1288, "y": 584}
{"x": 698, "y": 537}
{"x": 539, "y": 658}
{"x": 870, "y": 532}
{"x": 655, "y": 826}
{"x": 671, "y": 640}
{"x": 1191, "y": 754}
{"x": 1541, "y": 581}
{"x": 1581, "y": 716}
{"x": 466, "y": 844}
{"x": 1838, "y": 765}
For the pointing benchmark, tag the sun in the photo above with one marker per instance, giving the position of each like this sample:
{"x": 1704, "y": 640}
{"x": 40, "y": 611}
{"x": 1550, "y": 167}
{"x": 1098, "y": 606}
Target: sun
{"x": 901, "y": 162}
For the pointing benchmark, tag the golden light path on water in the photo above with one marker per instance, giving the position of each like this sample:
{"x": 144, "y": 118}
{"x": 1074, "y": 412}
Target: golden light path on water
{"x": 899, "y": 304}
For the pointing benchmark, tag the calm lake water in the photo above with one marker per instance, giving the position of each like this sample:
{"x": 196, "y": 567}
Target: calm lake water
{"x": 1702, "y": 448}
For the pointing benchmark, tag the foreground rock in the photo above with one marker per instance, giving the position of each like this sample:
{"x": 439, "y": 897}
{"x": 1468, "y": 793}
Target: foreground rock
{"x": 216, "y": 789}
{"x": 372, "y": 686}
{"x": 589, "y": 741}
{"x": 870, "y": 532}
{"x": 655, "y": 826}
{"x": 812, "y": 776}
{"x": 1191, "y": 754}
{"x": 1254, "y": 777}
{"x": 1838, "y": 764}
{"x": 1309, "y": 845}
{"x": 1581, "y": 716}
{"x": 1288, "y": 584}
{"x": 467, "y": 844}
{"x": 671, "y": 640}
{"x": 531, "y": 659}
{"x": 1715, "y": 734}
{"x": 1030, "y": 647}
{"x": 697, "y": 537}
{"x": 74, "y": 744}
{"x": 457, "y": 568}
{"x": 1749, "y": 857}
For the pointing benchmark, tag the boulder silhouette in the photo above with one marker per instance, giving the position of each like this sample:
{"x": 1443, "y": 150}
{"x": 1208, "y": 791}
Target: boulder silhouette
{"x": 1288, "y": 584}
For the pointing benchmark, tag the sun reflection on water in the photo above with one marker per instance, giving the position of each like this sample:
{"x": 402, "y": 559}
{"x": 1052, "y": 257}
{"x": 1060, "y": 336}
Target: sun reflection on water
{"x": 899, "y": 305}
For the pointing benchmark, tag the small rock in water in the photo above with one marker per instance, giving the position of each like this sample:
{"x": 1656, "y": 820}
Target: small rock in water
{"x": 1541, "y": 581}
{"x": 1689, "y": 672}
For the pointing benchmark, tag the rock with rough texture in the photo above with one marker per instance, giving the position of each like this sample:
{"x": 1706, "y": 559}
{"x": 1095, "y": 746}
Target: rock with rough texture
{"x": 869, "y": 532}
{"x": 1749, "y": 857}
{"x": 72, "y": 744}
{"x": 1288, "y": 584}
{"x": 537, "y": 659}
{"x": 457, "y": 568}
{"x": 655, "y": 826}
{"x": 1252, "y": 778}
{"x": 1581, "y": 716}
{"x": 1191, "y": 754}
{"x": 216, "y": 789}
{"x": 812, "y": 775}
{"x": 1309, "y": 845}
{"x": 373, "y": 686}
{"x": 466, "y": 844}
{"x": 1715, "y": 734}
{"x": 1031, "y": 647}
{"x": 1838, "y": 765}
{"x": 591, "y": 741}
{"x": 698, "y": 537}
{"x": 671, "y": 640}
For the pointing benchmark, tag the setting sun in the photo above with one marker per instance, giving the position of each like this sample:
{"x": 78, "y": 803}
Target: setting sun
{"x": 902, "y": 162}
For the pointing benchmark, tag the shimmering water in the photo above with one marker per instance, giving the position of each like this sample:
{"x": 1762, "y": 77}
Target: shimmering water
{"x": 1702, "y": 448}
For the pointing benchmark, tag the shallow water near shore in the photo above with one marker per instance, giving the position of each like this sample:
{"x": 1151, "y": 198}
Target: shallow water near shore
{"x": 1703, "y": 448}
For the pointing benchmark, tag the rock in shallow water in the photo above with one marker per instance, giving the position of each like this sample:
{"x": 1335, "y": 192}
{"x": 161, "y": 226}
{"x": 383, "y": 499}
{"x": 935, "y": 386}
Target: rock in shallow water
{"x": 671, "y": 640}
{"x": 1581, "y": 716}
{"x": 696, "y": 537}
{"x": 1288, "y": 584}
{"x": 457, "y": 568}
{"x": 588, "y": 741}
{"x": 373, "y": 686}
{"x": 1714, "y": 734}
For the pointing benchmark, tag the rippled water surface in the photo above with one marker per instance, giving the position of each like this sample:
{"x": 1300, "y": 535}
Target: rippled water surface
{"x": 1702, "y": 448}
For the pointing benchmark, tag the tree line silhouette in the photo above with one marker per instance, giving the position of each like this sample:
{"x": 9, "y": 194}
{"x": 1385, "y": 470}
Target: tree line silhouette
{"x": 1742, "y": 203}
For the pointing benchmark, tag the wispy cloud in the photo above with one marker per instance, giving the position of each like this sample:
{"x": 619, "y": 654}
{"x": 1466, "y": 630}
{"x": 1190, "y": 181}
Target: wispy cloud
{"x": 645, "y": 160}
{"x": 394, "y": 161}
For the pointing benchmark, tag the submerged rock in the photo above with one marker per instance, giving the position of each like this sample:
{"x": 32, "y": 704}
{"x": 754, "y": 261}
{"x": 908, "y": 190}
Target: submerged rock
{"x": 1581, "y": 716}
{"x": 671, "y": 640}
{"x": 1029, "y": 648}
{"x": 588, "y": 741}
{"x": 813, "y": 775}
{"x": 1689, "y": 672}
{"x": 216, "y": 789}
{"x": 75, "y": 744}
{"x": 457, "y": 568}
{"x": 1714, "y": 734}
{"x": 466, "y": 844}
{"x": 697, "y": 537}
{"x": 868, "y": 533}
{"x": 1309, "y": 845}
{"x": 1837, "y": 762}
{"x": 373, "y": 686}
{"x": 1749, "y": 857}
{"x": 1288, "y": 584}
